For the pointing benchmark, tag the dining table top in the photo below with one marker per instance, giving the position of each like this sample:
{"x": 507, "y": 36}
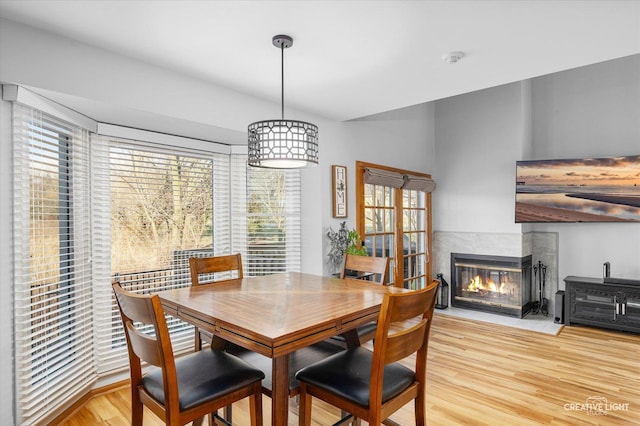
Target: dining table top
{"x": 280, "y": 313}
{"x": 279, "y": 316}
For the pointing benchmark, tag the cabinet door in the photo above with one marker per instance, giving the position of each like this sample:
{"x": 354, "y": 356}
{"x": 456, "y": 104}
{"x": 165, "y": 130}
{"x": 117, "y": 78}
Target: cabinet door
{"x": 593, "y": 305}
{"x": 630, "y": 309}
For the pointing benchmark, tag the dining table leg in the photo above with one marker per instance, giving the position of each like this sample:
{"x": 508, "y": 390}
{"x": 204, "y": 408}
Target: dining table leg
{"x": 351, "y": 338}
{"x": 280, "y": 390}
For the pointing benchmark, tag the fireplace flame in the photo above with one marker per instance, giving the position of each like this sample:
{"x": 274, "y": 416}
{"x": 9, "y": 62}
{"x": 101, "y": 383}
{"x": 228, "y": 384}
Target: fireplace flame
{"x": 476, "y": 284}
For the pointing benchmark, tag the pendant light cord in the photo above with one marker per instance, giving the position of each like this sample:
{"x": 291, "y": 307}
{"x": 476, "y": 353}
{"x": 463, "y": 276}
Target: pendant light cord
{"x": 282, "y": 78}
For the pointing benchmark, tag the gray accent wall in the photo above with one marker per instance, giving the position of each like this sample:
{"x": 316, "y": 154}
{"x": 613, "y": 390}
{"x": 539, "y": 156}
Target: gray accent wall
{"x": 591, "y": 111}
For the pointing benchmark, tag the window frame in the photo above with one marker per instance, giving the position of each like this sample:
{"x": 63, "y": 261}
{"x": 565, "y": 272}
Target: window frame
{"x": 397, "y": 269}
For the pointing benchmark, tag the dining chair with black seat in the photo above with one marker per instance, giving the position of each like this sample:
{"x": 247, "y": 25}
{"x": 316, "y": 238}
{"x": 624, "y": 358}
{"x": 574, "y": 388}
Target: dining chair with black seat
{"x": 372, "y": 268}
{"x": 372, "y": 385}
{"x": 205, "y": 270}
{"x": 180, "y": 390}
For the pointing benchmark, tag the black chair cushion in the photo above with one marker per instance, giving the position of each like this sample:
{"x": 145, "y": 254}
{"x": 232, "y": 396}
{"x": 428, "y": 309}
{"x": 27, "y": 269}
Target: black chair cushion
{"x": 362, "y": 331}
{"x": 299, "y": 359}
{"x": 348, "y": 375}
{"x": 203, "y": 376}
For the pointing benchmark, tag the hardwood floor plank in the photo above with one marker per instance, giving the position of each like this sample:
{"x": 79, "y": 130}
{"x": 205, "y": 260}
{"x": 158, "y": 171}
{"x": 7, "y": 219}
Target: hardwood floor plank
{"x": 485, "y": 374}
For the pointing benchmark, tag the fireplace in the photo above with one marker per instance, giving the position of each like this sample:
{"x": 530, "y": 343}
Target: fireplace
{"x": 497, "y": 284}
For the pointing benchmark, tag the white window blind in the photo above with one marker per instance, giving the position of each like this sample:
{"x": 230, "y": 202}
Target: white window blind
{"x": 87, "y": 211}
{"x": 383, "y": 178}
{"x": 166, "y": 205}
{"x": 266, "y": 219}
{"x": 393, "y": 179}
{"x": 53, "y": 275}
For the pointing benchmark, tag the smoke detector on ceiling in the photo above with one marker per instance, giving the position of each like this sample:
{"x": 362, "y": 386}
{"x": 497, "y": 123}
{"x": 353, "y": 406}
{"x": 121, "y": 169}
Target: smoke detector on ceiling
{"x": 452, "y": 57}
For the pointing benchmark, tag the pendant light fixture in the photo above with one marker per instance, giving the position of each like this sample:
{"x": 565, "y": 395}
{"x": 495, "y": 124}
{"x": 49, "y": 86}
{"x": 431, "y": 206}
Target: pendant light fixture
{"x": 283, "y": 144}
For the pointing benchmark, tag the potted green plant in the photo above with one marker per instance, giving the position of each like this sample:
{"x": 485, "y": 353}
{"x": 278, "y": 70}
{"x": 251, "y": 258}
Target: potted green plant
{"x": 343, "y": 241}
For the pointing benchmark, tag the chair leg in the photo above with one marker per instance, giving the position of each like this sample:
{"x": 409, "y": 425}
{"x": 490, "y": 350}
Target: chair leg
{"x": 347, "y": 419}
{"x": 420, "y": 409}
{"x": 255, "y": 406}
{"x": 136, "y": 411}
{"x": 227, "y": 413}
{"x": 304, "y": 408}
{"x": 197, "y": 341}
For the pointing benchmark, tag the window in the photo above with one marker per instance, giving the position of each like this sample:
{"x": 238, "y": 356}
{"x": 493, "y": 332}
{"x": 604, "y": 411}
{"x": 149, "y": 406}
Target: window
{"x": 160, "y": 213}
{"x": 394, "y": 219}
{"x": 92, "y": 209}
{"x": 53, "y": 275}
{"x": 169, "y": 204}
{"x": 266, "y": 218}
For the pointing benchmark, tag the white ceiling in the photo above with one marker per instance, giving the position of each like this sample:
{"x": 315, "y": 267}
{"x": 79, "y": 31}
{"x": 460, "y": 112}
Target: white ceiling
{"x": 350, "y": 58}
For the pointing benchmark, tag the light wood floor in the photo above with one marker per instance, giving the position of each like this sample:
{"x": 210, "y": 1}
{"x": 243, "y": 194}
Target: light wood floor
{"x": 486, "y": 374}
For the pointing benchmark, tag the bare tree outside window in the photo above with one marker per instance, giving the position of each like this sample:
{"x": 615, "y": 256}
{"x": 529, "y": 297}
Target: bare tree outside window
{"x": 159, "y": 204}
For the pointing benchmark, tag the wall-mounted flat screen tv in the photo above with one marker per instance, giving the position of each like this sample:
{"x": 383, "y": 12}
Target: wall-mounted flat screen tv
{"x": 585, "y": 190}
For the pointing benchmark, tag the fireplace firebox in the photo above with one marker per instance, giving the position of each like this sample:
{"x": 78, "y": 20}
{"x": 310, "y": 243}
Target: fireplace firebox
{"x": 496, "y": 284}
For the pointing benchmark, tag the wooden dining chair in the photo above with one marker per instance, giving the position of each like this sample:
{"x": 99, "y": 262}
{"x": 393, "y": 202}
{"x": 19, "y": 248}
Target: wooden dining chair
{"x": 205, "y": 270}
{"x": 208, "y": 268}
{"x": 361, "y": 266}
{"x": 212, "y": 265}
{"x": 373, "y": 385}
{"x": 187, "y": 388}
{"x": 358, "y": 266}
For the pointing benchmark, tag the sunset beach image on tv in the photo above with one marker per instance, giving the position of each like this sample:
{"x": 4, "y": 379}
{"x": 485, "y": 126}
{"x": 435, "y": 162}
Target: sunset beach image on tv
{"x": 584, "y": 190}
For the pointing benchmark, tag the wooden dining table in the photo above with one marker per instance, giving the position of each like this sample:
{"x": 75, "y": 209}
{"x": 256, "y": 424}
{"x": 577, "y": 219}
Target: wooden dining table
{"x": 276, "y": 315}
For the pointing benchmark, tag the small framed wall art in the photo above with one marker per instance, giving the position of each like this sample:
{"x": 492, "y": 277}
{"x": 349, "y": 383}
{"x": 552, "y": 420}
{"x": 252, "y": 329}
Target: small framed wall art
{"x": 339, "y": 178}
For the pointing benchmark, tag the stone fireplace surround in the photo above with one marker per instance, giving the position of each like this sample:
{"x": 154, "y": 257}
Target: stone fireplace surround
{"x": 542, "y": 246}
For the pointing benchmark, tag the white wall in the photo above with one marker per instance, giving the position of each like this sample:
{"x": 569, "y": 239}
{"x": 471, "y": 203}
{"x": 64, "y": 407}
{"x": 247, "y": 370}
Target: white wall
{"x": 402, "y": 138}
{"x": 35, "y": 58}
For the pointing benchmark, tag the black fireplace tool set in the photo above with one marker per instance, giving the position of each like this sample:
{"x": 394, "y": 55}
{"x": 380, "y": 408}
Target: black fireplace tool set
{"x": 540, "y": 277}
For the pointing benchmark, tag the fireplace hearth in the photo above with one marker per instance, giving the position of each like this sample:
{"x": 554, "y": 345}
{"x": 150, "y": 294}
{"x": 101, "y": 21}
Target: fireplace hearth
{"x": 496, "y": 284}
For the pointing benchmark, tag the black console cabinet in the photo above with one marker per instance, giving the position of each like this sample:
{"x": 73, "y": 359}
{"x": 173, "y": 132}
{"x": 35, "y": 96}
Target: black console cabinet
{"x": 610, "y": 303}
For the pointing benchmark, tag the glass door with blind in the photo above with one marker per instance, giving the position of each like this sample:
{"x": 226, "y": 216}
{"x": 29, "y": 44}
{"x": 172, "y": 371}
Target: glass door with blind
{"x": 395, "y": 222}
{"x": 415, "y": 240}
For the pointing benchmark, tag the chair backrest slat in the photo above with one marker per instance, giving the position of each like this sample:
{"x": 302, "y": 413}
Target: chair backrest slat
{"x": 215, "y": 264}
{"x": 144, "y": 346}
{"x": 375, "y": 265}
{"x": 404, "y": 343}
{"x": 405, "y": 308}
